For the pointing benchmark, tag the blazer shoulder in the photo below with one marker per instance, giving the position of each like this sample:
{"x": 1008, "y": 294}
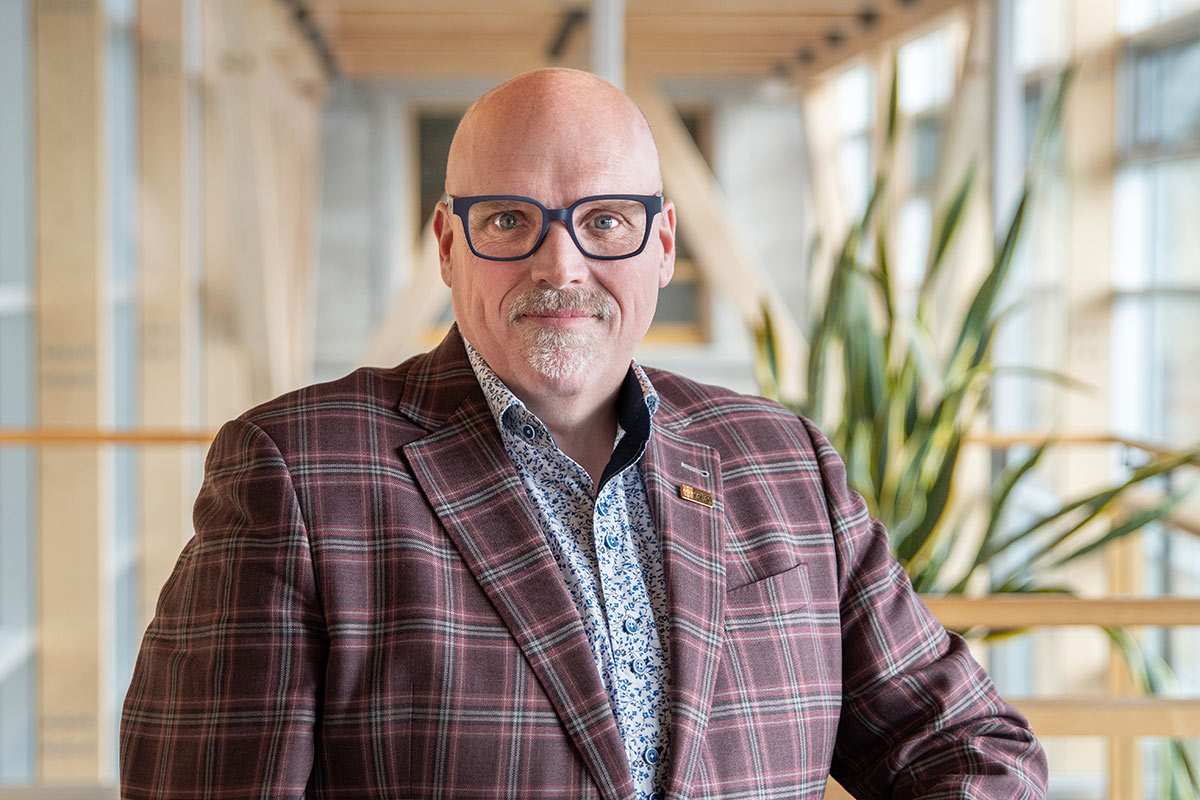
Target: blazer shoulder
{"x": 687, "y": 398}
{"x": 368, "y": 396}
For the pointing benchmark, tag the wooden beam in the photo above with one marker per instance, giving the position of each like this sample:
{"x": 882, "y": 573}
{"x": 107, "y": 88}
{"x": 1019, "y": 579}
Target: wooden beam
{"x": 228, "y": 376}
{"x": 45, "y": 437}
{"x": 728, "y": 264}
{"x": 75, "y": 599}
{"x": 1020, "y": 611}
{"x": 445, "y": 64}
{"x": 168, "y": 324}
{"x": 1110, "y": 716}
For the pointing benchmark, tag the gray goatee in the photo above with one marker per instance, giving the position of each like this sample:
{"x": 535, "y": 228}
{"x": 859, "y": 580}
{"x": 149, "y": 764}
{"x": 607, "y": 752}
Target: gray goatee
{"x": 554, "y": 352}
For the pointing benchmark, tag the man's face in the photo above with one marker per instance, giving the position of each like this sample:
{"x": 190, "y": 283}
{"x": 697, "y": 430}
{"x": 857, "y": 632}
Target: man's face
{"x": 557, "y": 322}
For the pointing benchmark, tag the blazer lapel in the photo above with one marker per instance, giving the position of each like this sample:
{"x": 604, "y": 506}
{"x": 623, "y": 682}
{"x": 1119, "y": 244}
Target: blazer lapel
{"x": 479, "y": 499}
{"x": 694, "y": 563}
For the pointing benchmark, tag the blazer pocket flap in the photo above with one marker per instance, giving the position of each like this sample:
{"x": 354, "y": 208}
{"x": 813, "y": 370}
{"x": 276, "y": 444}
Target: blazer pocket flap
{"x": 776, "y": 594}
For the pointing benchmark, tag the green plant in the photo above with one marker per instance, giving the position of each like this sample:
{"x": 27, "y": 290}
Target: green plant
{"x": 899, "y": 407}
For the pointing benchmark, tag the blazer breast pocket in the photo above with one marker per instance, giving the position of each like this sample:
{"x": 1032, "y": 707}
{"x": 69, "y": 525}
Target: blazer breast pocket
{"x": 768, "y": 599}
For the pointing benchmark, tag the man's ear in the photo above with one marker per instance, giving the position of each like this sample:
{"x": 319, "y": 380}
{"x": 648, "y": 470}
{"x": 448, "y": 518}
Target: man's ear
{"x": 666, "y": 238}
{"x": 443, "y": 229}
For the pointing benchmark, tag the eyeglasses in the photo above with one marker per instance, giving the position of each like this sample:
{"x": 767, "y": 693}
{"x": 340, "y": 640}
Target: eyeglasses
{"x": 608, "y": 227}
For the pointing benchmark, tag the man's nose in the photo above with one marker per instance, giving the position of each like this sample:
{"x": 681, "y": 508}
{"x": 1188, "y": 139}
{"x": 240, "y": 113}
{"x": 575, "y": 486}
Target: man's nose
{"x": 558, "y": 262}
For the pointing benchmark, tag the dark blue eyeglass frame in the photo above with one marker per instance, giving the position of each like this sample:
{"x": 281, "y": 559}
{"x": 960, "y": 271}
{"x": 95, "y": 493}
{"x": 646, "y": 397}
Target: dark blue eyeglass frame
{"x": 461, "y": 207}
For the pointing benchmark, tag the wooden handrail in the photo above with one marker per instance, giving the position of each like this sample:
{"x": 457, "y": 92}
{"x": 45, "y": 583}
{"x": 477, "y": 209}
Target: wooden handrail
{"x": 70, "y": 436}
{"x": 1040, "y": 610}
{"x": 1037, "y": 437}
{"x": 1112, "y": 716}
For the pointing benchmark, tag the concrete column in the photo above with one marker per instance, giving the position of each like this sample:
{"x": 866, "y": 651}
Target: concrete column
{"x": 608, "y": 40}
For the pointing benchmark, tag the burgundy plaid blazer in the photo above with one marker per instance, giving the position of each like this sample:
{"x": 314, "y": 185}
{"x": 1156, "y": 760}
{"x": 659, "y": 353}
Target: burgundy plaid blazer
{"x": 369, "y": 609}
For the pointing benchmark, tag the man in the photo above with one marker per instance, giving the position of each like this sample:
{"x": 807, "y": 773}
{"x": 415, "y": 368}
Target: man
{"x": 522, "y": 566}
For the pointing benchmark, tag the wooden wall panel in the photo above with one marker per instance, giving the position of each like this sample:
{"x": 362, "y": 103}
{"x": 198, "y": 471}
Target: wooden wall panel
{"x": 73, "y": 329}
{"x": 168, "y": 329}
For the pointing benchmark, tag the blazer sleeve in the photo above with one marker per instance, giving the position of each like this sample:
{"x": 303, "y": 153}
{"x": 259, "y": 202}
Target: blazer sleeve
{"x": 920, "y": 717}
{"x": 224, "y": 691}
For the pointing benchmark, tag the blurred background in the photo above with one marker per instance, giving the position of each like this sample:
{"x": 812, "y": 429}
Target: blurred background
{"x": 205, "y": 203}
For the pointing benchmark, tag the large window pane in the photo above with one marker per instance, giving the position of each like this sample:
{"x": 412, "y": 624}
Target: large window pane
{"x": 1137, "y": 15}
{"x": 1166, "y": 103}
{"x": 926, "y": 72}
{"x": 1039, "y": 33}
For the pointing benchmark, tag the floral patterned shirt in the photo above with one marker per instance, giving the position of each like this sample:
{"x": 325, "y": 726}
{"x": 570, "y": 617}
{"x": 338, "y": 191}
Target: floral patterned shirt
{"x": 607, "y": 549}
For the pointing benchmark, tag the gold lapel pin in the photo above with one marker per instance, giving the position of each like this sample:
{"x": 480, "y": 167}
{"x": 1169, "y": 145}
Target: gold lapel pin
{"x": 698, "y": 496}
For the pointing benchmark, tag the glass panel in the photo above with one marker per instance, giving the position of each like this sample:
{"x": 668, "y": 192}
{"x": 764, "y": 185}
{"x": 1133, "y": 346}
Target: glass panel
{"x": 855, "y": 100}
{"x": 926, "y": 72}
{"x": 17, "y": 724}
{"x": 1039, "y": 33}
{"x": 435, "y": 133}
{"x": 122, "y": 154}
{"x": 854, "y": 166}
{"x": 1175, "y": 412}
{"x": 927, "y": 135}
{"x": 16, "y": 473}
{"x": 15, "y": 145}
{"x": 1176, "y": 209}
{"x": 16, "y": 537}
{"x": 912, "y": 247}
{"x": 1167, "y": 103}
{"x": 678, "y": 302}
{"x": 126, "y": 638}
{"x": 1137, "y": 15}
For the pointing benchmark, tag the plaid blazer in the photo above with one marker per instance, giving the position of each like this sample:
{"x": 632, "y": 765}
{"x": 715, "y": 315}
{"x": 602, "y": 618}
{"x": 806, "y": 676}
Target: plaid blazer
{"x": 369, "y": 609}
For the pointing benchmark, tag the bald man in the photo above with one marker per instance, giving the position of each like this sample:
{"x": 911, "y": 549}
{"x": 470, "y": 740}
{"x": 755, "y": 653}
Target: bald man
{"x": 524, "y": 566}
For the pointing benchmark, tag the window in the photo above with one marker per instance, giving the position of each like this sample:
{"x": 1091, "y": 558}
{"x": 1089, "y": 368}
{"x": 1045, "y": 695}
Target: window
{"x": 927, "y": 69}
{"x": 17, "y": 464}
{"x": 1156, "y": 281}
{"x": 854, "y": 93}
{"x": 121, "y": 97}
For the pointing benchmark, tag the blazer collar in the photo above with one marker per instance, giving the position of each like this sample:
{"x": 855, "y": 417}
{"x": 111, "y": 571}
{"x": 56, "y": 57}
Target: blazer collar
{"x": 479, "y": 499}
{"x": 694, "y": 565}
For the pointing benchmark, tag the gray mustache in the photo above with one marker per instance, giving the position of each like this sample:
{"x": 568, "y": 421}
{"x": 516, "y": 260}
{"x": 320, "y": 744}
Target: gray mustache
{"x": 541, "y": 301}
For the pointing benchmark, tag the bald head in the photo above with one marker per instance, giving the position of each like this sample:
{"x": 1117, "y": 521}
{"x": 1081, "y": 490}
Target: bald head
{"x": 553, "y": 126}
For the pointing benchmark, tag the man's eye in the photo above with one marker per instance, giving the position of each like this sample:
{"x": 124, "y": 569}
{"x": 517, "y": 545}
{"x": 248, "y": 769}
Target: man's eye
{"x": 507, "y": 221}
{"x": 605, "y": 222}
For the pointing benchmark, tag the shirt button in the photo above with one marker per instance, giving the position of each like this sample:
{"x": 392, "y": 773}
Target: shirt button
{"x": 612, "y": 540}
{"x": 631, "y": 625}
{"x": 650, "y": 755}
{"x": 528, "y": 431}
{"x": 655, "y": 796}
{"x": 640, "y": 665}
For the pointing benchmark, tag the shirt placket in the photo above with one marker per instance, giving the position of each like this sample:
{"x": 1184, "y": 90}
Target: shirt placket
{"x": 637, "y": 661}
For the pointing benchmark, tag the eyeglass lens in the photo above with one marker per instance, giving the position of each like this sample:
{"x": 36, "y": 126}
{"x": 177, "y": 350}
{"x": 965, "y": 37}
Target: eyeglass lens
{"x": 510, "y": 228}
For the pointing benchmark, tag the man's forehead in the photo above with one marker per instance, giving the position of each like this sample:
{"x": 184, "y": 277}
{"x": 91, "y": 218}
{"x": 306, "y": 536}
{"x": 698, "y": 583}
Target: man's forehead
{"x": 554, "y": 124}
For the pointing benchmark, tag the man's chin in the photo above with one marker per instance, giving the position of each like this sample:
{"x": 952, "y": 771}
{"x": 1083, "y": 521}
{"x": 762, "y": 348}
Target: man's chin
{"x": 557, "y": 354}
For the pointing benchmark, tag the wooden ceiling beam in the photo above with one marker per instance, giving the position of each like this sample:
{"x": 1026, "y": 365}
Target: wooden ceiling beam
{"x": 425, "y": 38}
{"x": 535, "y": 41}
{"x": 900, "y": 19}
